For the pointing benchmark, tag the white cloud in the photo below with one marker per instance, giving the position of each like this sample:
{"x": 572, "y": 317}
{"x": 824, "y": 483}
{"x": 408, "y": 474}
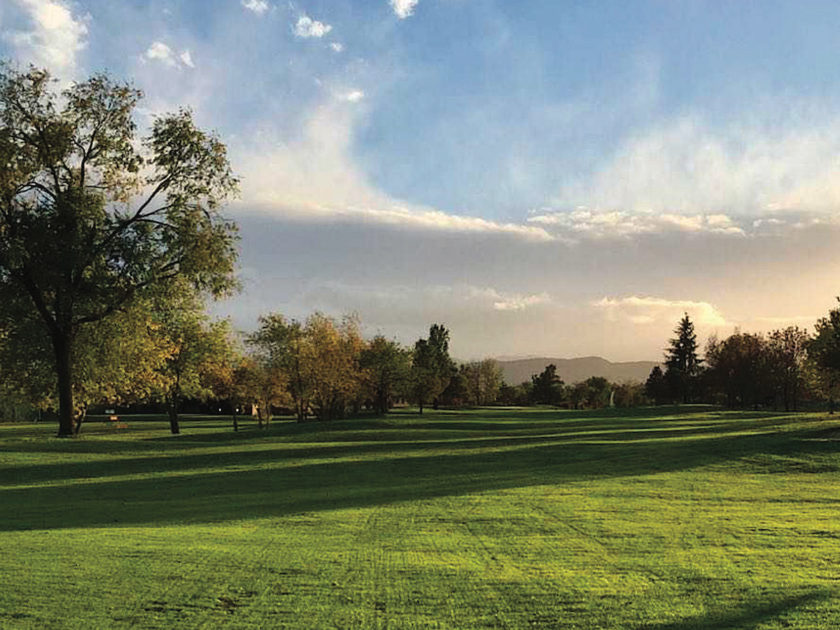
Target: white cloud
{"x": 337, "y": 46}
{"x": 257, "y": 6}
{"x": 314, "y": 177}
{"x": 307, "y": 27}
{"x": 659, "y": 311}
{"x": 354, "y": 96}
{"x": 54, "y": 37}
{"x": 403, "y": 8}
{"x": 520, "y": 302}
{"x": 158, "y": 51}
{"x": 687, "y": 167}
{"x": 606, "y": 224}
{"x": 161, "y": 53}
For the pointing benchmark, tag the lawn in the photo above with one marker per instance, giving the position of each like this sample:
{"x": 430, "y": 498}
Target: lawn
{"x": 496, "y": 518}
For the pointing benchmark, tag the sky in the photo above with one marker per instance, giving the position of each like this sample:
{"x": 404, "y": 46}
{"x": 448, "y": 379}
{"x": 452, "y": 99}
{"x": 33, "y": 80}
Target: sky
{"x": 544, "y": 177}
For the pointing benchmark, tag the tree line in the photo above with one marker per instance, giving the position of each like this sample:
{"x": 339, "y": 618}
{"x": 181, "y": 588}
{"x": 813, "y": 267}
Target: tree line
{"x": 777, "y": 370}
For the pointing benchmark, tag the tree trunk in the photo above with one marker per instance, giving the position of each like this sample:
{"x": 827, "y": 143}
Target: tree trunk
{"x": 172, "y": 408}
{"x": 82, "y": 417}
{"x": 235, "y": 421}
{"x": 62, "y": 346}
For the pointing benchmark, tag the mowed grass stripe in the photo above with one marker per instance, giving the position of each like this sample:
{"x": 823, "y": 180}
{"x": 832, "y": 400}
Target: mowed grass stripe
{"x": 511, "y": 518}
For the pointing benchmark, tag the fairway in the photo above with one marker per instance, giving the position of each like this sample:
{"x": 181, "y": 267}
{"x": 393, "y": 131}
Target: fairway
{"x": 664, "y": 518}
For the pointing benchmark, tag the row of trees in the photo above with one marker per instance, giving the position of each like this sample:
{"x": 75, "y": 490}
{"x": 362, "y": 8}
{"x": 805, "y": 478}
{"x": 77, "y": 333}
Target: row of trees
{"x": 547, "y": 388}
{"x": 778, "y": 369}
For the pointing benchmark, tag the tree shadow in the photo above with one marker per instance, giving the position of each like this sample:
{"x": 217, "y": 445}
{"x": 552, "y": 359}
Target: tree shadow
{"x": 299, "y": 480}
{"x": 253, "y": 448}
{"x": 748, "y": 615}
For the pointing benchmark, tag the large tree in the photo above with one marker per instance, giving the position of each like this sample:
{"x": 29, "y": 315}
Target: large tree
{"x": 547, "y": 386}
{"x": 824, "y": 351}
{"x": 386, "y": 367}
{"x": 199, "y": 349}
{"x": 681, "y": 360}
{"x": 92, "y": 217}
{"x": 788, "y": 353}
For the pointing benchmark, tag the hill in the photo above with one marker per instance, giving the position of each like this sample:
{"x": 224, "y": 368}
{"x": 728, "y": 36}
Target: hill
{"x": 579, "y": 369}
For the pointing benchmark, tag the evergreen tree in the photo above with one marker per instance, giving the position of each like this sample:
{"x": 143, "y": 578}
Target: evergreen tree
{"x": 547, "y": 387}
{"x": 681, "y": 361}
{"x": 656, "y": 386}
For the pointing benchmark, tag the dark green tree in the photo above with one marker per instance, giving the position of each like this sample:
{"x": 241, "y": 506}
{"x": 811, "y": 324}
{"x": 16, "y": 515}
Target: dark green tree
{"x": 386, "y": 368}
{"x": 681, "y": 361}
{"x": 442, "y": 363}
{"x": 656, "y": 387}
{"x": 824, "y": 351}
{"x": 92, "y": 218}
{"x": 426, "y": 383}
{"x": 547, "y": 387}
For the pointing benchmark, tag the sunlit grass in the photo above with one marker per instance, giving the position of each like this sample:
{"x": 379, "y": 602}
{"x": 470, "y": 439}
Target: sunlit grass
{"x": 655, "y": 518}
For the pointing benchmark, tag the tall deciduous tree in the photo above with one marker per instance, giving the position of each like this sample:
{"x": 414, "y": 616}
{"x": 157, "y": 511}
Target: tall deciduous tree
{"x": 681, "y": 360}
{"x": 483, "y": 380}
{"x": 788, "y": 352}
{"x": 824, "y": 350}
{"x": 279, "y": 347}
{"x": 199, "y": 349}
{"x": 386, "y": 368}
{"x": 441, "y": 362}
{"x": 91, "y": 217}
{"x": 426, "y": 383}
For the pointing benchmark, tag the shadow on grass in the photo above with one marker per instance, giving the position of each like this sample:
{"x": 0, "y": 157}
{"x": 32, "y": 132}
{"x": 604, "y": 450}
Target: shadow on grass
{"x": 745, "y": 616}
{"x": 382, "y": 474}
{"x": 347, "y": 439}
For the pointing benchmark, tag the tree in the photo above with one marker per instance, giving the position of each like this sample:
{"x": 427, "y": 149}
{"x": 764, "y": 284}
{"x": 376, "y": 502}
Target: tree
{"x": 426, "y": 383}
{"x": 431, "y": 368}
{"x": 332, "y": 354}
{"x": 386, "y": 368}
{"x": 441, "y": 362}
{"x": 118, "y": 361}
{"x": 483, "y": 380}
{"x": 280, "y": 350}
{"x": 656, "y": 387}
{"x": 739, "y": 368}
{"x": 788, "y": 353}
{"x": 824, "y": 350}
{"x": 199, "y": 349}
{"x": 681, "y": 360}
{"x": 596, "y": 392}
{"x": 91, "y": 219}
{"x": 547, "y": 387}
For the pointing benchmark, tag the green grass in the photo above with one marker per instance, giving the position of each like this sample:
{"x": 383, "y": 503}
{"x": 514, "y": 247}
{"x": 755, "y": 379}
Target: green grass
{"x": 505, "y": 518}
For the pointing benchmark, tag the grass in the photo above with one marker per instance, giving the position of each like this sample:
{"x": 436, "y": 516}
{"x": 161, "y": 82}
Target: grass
{"x": 503, "y": 518}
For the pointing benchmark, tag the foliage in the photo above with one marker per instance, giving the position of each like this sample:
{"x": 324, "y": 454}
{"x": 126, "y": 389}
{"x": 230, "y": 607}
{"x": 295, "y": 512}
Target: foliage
{"x": 483, "y": 380}
{"x": 331, "y": 353}
{"x": 199, "y": 349}
{"x": 386, "y": 369}
{"x": 426, "y": 381}
{"x": 824, "y": 350}
{"x": 681, "y": 361}
{"x": 280, "y": 365}
{"x": 547, "y": 387}
{"x": 92, "y": 218}
{"x": 656, "y": 387}
{"x": 119, "y": 360}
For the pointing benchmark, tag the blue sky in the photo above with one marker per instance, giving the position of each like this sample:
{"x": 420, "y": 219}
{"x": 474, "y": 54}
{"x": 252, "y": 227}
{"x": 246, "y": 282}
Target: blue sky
{"x": 544, "y": 177}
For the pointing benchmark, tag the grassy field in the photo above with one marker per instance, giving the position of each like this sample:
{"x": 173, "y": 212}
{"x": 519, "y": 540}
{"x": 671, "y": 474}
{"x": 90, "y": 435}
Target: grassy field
{"x": 503, "y": 518}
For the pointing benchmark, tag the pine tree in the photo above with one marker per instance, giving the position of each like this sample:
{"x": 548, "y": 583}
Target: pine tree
{"x": 681, "y": 361}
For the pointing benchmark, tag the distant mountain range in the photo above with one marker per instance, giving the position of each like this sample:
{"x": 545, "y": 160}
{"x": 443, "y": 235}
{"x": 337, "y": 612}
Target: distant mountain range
{"x": 573, "y": 370}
